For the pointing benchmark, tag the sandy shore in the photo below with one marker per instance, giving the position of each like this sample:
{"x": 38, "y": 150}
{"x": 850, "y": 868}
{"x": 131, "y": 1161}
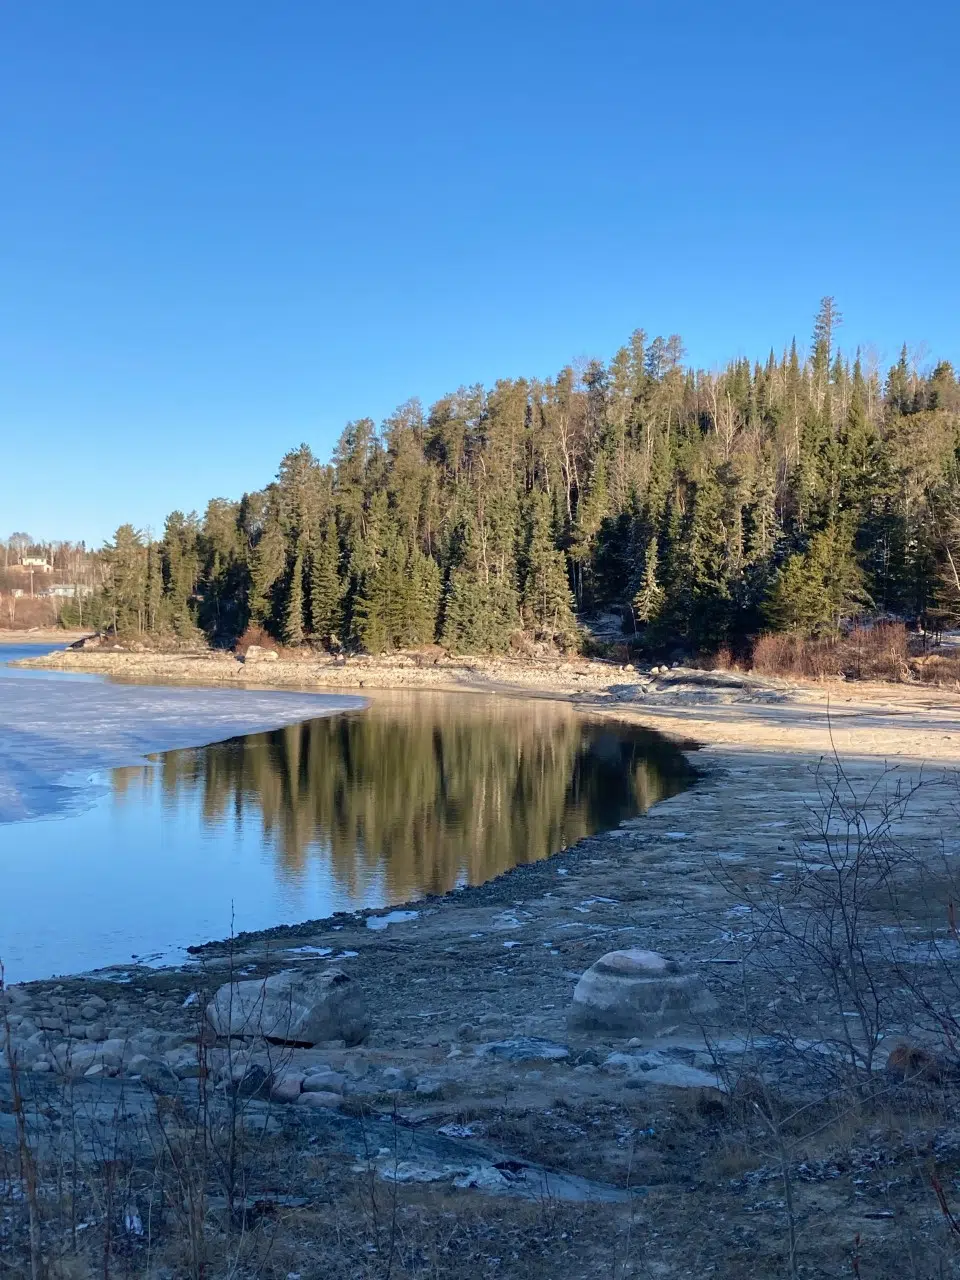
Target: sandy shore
{"x": 41, "y": 635}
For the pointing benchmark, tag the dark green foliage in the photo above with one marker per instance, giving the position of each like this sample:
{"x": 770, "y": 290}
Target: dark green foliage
{"x": 326, "y": 593}
{"x": 818, "y": 587}
{"x": 701, "y": 508}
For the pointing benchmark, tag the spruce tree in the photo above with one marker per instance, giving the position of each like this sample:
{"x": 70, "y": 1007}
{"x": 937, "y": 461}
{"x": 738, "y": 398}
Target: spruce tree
{"x": 325, "y": 586}
{"x": 293, "y": 607}
{"x": 547, "y": 601}
{"x": 649, "y": 597}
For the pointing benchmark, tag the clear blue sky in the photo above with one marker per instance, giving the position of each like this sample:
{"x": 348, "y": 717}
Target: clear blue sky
{"x": 226, "y": 226}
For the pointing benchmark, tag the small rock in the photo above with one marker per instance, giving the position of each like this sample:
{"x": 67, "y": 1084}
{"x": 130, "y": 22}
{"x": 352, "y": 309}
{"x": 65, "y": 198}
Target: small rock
{"x": 98, "y": 1071}
{"x": 287, "y": 1087}
{"x": 115, "y": 1051}
{"x": 154, "y": 1074}
{"x": 16, "y": 996}
{"x": 323, "y": 1082}
{"x": 320, "y": 1101}
{"x": 185, "y": 1066}
{"x": 96, "y": 1031}
{"x": 525, "y": 1049}
{"x": 257, "y": 654}
{"x": 466, "y": 1032}
{"x": 92, "y": 1006}
{"x": 398, "y": 1078}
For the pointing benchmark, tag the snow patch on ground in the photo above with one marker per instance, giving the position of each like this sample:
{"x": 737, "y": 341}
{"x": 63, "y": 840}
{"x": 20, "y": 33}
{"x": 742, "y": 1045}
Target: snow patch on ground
{"x": 54, "y": 734}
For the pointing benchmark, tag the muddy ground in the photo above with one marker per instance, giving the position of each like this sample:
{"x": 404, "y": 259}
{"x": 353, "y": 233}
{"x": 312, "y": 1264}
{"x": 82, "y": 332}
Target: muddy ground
{"x": 744, "y": 1145}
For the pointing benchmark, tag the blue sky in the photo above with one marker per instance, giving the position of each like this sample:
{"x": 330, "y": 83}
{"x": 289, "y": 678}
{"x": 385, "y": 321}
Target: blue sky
{"x": 226, "y": 227}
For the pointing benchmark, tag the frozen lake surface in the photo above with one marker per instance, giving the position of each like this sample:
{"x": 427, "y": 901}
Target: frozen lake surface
{"x": 57, "y": 729}
{"x": 138, "y": 820}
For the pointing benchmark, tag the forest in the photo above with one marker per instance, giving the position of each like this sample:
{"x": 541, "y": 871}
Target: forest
{"x": 798, "y": 493}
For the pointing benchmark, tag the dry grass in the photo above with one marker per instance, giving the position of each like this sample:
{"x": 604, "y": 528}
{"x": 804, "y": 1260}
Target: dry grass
{"x": 938, "y": 669}
{"x": 865, "y": 653}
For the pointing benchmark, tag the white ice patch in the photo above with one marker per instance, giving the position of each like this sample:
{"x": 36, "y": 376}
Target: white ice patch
{"x": 56, "y": 733}
{"x": 392, "y": 917}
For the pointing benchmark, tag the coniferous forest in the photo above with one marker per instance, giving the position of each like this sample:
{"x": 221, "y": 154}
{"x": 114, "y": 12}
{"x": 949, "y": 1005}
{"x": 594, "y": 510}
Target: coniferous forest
{"x": 792, "y": 493}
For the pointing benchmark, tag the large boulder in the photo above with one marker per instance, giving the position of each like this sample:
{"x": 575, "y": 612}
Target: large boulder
{"x": 638, "y": 993}
{"x": 291, "y": 1008}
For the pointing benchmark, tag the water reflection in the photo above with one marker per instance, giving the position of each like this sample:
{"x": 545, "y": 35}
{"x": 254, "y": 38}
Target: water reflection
{"x": 418, "y": 794}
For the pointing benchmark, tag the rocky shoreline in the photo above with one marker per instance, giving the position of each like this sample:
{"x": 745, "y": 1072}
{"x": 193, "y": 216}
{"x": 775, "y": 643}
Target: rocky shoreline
{"x": 474, "y": 1074}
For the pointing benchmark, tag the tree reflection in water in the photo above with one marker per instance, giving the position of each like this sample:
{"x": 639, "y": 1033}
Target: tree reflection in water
{"x": 423, "y": 792}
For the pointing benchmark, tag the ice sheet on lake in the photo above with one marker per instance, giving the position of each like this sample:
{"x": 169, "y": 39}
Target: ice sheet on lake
{"x": 55, "y": 733}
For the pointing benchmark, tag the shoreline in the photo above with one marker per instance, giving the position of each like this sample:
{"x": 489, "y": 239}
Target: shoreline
{"x": 761, "y": 736}
{"x": 40, "y": 635}
{"x": 720, "y": 709}
{"x": 468, "y": 994}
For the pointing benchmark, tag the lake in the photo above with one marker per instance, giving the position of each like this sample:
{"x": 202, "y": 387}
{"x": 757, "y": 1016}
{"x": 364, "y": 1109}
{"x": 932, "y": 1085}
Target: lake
{"x": 413, "y": 794}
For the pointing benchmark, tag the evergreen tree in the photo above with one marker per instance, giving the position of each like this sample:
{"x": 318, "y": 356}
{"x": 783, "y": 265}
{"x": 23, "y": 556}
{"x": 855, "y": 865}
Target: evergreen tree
{"x": 293, "y": 605}
{"x": 700, "y": 506}
{"x": 818, "y": 588}
{"x": 325, "y": 586}
{"x": 649, "y": 597}
{"x": 547, "y": 601}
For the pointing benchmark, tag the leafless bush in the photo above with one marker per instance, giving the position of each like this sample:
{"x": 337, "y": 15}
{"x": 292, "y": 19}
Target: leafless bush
{"x": 880, "y": 652}
{"x": 818, "y": 940}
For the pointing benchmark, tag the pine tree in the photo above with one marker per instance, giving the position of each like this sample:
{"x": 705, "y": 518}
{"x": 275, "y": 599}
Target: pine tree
{"x": 325, "y": 585}
{"x": 547, "y": 601}
{"x": 293, "y": 615}
{"x": 818, "y": 588}
{"x": 649, "y": 597}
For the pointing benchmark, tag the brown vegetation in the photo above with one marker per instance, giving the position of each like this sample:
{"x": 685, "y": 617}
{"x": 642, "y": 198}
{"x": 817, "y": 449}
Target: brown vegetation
{"x": 881, "y": 652}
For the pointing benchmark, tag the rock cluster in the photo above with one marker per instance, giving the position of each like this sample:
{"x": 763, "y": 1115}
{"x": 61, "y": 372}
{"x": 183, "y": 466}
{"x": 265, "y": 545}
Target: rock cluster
{"x": 257, "y": 1039}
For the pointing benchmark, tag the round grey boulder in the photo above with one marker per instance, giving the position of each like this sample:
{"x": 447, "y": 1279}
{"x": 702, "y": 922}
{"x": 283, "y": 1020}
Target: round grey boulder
{"x": 638, "y": 993}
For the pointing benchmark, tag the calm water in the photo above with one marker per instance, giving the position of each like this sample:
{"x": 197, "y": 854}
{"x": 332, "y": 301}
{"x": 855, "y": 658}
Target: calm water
{"x": 413, "y": 795}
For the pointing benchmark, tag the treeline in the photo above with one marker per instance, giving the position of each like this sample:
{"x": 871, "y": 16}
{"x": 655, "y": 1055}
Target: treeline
{"x": 700, "y": 508}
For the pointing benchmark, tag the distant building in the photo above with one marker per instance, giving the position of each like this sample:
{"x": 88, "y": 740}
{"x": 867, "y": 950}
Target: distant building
{"x": 36, "y": 562}
{"x": 67, "y": 591}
